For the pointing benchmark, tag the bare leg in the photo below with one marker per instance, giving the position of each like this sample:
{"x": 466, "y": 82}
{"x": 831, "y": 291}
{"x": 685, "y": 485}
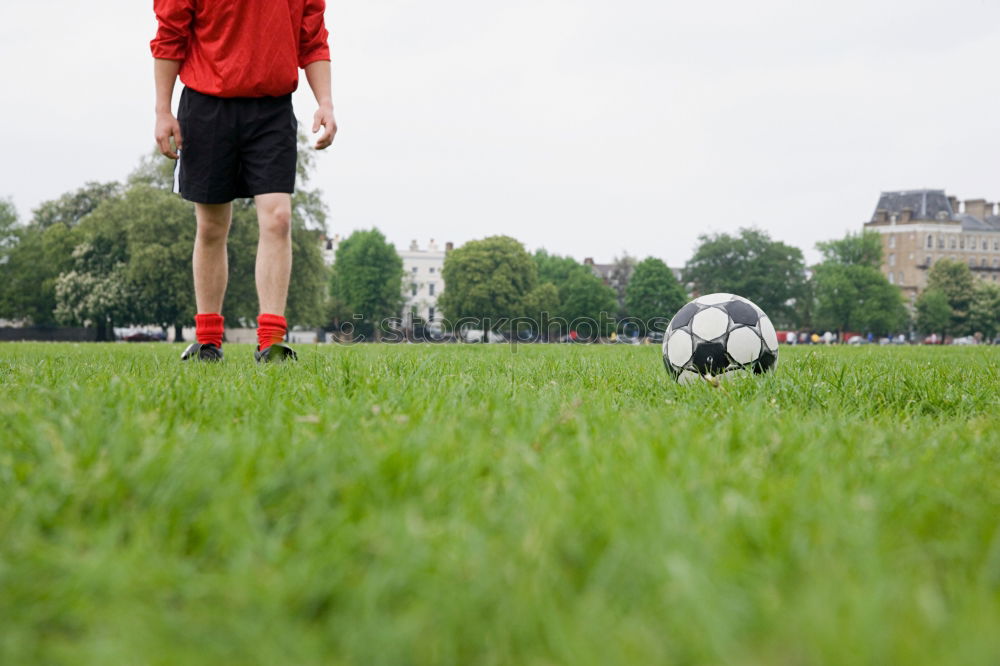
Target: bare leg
{"x": 274, "y": 251}
{"x": 211, "y": 264}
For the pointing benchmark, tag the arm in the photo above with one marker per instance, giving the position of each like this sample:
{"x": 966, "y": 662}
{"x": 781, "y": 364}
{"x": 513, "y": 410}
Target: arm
{"x": 165, "y": 73}
{"x": 169, "y": 49}
{"x": 314, "y": 57}
{"x": 318, "y": 75}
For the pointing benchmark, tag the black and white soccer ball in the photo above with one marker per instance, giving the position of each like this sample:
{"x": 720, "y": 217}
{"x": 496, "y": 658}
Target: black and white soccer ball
{"x": 718, "y": 334}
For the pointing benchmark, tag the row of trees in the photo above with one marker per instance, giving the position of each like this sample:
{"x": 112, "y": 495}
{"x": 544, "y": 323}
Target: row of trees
{"x": 119, "y": 254}
{"x": 495, "y": 280}
{"x": 845, "y": 292}
{"x": 955, "y": 303}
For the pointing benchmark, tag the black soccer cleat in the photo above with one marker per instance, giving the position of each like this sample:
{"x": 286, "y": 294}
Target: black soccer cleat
{"x": 199, "y": 352}
{"x": 276, "y": 353}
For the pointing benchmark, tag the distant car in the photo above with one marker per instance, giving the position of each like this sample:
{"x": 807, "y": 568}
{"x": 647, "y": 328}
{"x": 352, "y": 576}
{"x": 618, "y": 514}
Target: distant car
{"x": 143, "y": 336}
{"x": 967, "y": 340}
{"x": 857, "y": 340}
{"x": 477, "y": 335}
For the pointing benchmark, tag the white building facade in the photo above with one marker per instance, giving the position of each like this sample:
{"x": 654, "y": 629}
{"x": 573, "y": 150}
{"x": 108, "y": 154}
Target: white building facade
{"x": 423, "y": 282}
{"x": 328, "y": 247}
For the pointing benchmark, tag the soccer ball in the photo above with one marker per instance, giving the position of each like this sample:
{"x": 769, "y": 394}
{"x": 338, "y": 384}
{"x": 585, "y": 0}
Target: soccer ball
{"x": 719, "y": 334}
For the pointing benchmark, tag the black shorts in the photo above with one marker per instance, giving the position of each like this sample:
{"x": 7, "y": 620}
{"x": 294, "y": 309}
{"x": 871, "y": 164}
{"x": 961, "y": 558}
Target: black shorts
{"x": 235, "y": 147}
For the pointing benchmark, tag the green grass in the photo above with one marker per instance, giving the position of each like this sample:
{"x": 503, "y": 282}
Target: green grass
{"x": 473, "y": 505}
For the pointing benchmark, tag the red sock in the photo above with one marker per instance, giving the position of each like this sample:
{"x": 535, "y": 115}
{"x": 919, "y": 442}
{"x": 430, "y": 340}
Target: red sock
{"x": 208, "y": 328}
{"x": 270, "y": 329}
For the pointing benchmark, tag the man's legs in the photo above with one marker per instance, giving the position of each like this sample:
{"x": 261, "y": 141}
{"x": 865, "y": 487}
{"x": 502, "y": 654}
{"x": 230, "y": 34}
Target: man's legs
{"x": 274, "y": 267}
{"x": 211, "y": 273}
{"x": 211, "y": 263}
{"x": 274, "y": 251}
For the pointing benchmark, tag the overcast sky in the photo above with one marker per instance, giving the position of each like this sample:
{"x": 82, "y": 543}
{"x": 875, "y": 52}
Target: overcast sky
{"x": 588, "y": 128}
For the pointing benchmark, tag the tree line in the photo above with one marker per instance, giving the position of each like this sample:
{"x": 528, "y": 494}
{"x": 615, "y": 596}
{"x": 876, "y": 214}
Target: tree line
{"x": 119, "y": 254}
{"x": 496, "y": 283}
{"x": 956, "y": 304}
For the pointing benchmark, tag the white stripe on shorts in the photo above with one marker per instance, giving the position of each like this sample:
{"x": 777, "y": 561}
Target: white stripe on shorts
{"x": 177, "y": 173}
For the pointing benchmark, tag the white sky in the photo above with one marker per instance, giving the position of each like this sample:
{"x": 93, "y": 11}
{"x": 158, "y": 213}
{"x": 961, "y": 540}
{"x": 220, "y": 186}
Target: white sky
{"x": 589, "y": 128}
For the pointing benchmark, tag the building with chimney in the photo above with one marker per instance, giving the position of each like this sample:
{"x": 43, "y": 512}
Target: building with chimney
{"x": 618, "y": 279}
{"x": 423, "y": 282}
{"x": 921, "y": 227}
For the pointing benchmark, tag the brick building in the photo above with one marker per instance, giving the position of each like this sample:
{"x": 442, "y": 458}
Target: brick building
{"x": 920, "y": 227}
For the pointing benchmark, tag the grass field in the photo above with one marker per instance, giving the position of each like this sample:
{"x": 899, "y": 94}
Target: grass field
{"x": 483, "y": 505}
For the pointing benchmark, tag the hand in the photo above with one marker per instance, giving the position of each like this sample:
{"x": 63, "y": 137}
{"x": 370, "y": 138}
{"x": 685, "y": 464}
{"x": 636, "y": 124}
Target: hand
{"x": 324, "y": 118}
{"x": 167, "y": 127}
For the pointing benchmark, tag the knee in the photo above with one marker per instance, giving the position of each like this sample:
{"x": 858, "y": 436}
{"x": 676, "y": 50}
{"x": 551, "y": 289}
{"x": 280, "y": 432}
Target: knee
{"x": 212, "y": 230}
{"x": 213, "y": 222}
{"x": 277, "y": 221}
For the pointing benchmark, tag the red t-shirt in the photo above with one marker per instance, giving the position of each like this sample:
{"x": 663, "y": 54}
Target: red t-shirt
{"x": 241, "y": 48}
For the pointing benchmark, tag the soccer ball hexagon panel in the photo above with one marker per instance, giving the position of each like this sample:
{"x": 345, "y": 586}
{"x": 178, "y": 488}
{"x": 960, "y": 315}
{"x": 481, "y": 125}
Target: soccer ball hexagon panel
{"x": 718, "y": 334}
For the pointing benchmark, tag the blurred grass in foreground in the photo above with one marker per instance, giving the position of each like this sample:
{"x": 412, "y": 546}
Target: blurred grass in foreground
{"x": 483, "y": 505}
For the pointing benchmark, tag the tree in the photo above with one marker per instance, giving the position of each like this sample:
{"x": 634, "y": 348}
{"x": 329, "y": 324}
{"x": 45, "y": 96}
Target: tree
{"x": 96, "y": 291}
{"x": 933, "y": 312}
{"x": 159, "y": 232}
{"x": 769, "y": 273}
{"x": 10, "y": 234}
{"x": 137, "y": 247}
{"x": 555, "y": 269}
{"x": 39, "y": 251}
{"x": 588, "y": 302}
{"x": 850, "y": 292}
{"x": 955, "y": 281}
{"x": 582, "y": 295}
{"x": 8, "y": 227}
{"x": 853, "y": 297}
{"x": 72, "y": 207}
{"x": 154, "y": 171}
{"x": 307, "y": 295}
{"x": 864, "y": 249}
{"x": 134, "y": 243}
{"x": 488, "y": 281}
{"x": 539, "y": 306}
{"x": 28, "y": 276}
{"x": 984, "y": 310}
{"x": 91, "y": 299}
{"x": 310, "y": 280}
{"x": 652, "y": 293}
{"x": 131, "y": 262}
{"x": 367, "y": 279}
